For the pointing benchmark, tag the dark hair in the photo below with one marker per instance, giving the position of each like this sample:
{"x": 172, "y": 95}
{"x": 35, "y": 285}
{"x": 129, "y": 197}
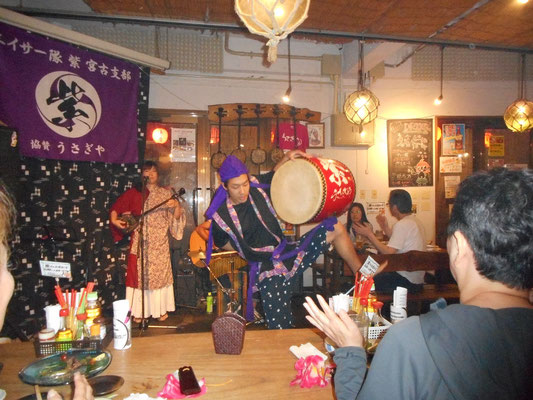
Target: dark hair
{"x": 401, "y": 199}
{"x": 363, "y": 215}
{"x": 7, "y": 214}
{"x": 150, "y": 164}
{"x": 494, "y": 211}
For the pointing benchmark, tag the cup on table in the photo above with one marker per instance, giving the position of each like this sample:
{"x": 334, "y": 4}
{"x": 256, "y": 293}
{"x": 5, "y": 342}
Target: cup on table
{"x": 53, "y": 320}
{"x": 121, "y": 325}
{"x": 397, "y": 314}
{"x": 362, "y": 325}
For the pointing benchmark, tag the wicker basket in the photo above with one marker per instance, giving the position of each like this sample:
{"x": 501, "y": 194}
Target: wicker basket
{"x": 228, "y": 333}
{"x": 49, "y": 348}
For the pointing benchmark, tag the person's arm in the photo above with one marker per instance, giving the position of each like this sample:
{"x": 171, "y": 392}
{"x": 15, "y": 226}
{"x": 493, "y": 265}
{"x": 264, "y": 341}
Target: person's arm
{"x": 203, "y": 229}
{"x": 380, "y": 247}
{"x": 113, "y": 218}
{"x": 384, "y": 224}
{"x": 290, "y": 155}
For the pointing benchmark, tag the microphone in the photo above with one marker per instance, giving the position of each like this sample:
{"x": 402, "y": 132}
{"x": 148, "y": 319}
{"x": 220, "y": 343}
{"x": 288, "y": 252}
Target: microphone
{"x": 145, "y": 179}
{"x": 179, "y": 193}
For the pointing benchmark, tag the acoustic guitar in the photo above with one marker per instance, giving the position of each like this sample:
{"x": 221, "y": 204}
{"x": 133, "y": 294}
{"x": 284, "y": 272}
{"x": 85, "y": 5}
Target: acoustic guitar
{"x": 197, "y": 247}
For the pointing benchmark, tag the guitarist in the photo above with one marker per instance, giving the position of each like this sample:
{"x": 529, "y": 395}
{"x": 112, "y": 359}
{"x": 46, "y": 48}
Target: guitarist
{"x": 169, "y": 217}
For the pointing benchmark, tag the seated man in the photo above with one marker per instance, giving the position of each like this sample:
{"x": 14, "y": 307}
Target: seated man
{"x": 479, "y": 349}
{"x": 243, "y": 219}
{"x": 406, "y": 235}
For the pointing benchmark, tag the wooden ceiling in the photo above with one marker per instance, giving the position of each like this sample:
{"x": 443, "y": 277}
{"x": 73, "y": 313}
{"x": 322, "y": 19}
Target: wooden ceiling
{"x": 500, "y": 23}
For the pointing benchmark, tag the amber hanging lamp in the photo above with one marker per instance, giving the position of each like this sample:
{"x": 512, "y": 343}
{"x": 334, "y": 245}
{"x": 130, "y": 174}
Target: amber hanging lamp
{"x": 519, "y": 116}
{"x": 361, "y": 107}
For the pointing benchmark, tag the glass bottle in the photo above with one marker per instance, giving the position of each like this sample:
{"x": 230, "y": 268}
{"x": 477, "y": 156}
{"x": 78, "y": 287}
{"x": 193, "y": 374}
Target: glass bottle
{"x": 92, "y": 310}
{"x": 377, "y": 320}
{"x": 362, "y": 320}
{"x": 65, "y": 333}
{"x": 209, "y": 303}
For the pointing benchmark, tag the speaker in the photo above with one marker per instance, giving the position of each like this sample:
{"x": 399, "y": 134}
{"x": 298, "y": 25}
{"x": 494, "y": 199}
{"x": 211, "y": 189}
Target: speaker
{"x": 185, "y": 293}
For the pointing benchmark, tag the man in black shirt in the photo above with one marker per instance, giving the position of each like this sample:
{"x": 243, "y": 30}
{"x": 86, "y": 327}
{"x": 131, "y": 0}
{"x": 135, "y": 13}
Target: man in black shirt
{"x": 243, "y": 219}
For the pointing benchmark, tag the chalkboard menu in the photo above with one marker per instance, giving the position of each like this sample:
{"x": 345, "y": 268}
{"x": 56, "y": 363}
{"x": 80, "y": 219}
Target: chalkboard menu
{"x": 410, "y": 150}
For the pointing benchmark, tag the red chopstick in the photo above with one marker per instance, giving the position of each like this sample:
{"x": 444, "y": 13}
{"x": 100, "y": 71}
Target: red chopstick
{"x": 59, "y": 296}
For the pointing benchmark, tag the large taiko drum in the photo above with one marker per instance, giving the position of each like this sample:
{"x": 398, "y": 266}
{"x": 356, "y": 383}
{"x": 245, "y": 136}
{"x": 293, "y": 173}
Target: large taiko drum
{"x": 311, "y": 189}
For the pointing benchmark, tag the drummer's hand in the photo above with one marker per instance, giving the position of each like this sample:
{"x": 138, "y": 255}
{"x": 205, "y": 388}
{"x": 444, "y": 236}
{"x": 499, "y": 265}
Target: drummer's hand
{"x": 82, "y": 390}
{"x": 291, "y": 155}
{"x": 339, "y": 328}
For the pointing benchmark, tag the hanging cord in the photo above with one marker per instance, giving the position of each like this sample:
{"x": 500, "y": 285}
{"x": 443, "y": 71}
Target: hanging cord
{"x": 441, "y": 69}
{"x": 361, "y": 63}
{"x": 289, "y": 58}
{"x": 522, "y": 75}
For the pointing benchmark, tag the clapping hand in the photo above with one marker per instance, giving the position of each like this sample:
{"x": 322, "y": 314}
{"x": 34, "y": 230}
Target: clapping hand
{"x": 339, "y": 328}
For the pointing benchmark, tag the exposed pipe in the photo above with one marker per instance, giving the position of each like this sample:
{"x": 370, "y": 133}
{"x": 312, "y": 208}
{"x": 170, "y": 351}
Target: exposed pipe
{"x": 235, "y": 27}
{"x": 454, "y": 21}
{"x": 261, "y": 55}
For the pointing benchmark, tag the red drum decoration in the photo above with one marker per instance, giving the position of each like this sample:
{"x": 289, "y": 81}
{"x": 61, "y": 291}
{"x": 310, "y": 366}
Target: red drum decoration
{"x": 311, "y": 189}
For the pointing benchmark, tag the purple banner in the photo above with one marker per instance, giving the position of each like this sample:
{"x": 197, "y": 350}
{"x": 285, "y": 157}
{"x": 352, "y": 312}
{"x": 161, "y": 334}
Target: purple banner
{"x": 67, "y": 103}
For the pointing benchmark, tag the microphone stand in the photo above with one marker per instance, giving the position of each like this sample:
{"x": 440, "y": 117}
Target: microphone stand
{"x": 140, "y": 251}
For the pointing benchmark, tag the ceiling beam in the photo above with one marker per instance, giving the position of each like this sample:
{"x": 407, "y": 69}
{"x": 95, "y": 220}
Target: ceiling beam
{"x": 235, "y": 27}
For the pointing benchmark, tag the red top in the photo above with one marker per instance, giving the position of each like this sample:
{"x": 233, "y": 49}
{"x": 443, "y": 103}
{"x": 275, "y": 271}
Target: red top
{"x": 129, "y": 201}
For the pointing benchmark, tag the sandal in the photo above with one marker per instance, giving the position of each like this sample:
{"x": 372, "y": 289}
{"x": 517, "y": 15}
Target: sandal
{"x": 163, "y": 317}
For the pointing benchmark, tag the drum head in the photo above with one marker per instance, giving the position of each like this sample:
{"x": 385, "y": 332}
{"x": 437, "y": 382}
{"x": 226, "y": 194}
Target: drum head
{"x": 297, "y": 191}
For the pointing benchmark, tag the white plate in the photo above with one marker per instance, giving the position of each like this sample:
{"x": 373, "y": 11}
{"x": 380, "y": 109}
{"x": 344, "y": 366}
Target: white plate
{"x": 2, "y": 394}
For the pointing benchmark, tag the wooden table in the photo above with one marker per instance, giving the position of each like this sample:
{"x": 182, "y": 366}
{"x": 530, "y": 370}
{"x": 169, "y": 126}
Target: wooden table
{"x": 435, "y": 259}
{"x": 263, "y": 370}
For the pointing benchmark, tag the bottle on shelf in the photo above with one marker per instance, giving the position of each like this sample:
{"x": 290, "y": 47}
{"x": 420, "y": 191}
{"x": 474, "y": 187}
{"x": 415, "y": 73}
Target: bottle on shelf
{"x": 209, "y": 303}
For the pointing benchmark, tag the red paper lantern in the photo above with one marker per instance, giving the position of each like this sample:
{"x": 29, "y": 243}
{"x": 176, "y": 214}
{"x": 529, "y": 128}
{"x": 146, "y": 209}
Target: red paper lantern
{"x": 160, "y": 135}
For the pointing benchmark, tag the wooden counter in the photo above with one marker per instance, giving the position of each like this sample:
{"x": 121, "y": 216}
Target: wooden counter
{"x": 263, "y": 370}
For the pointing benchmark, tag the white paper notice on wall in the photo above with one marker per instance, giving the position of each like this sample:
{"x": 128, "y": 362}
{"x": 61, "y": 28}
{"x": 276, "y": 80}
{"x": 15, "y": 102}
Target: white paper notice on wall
{"x": 375, "y": 207}
{"x": 55, "y": 269}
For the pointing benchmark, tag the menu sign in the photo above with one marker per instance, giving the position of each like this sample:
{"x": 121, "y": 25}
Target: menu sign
{"x": 410, "y": 152}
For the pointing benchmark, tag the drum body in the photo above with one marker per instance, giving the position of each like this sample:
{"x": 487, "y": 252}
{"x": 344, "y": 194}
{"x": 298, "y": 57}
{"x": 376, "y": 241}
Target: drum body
{"x": 311, "y": 189}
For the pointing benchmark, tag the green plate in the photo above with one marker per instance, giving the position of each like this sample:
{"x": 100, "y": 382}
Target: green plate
{"x": 55, "y": 370}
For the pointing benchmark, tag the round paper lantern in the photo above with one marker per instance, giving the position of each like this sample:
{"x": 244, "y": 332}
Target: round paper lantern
{"x": 273, "y": 19}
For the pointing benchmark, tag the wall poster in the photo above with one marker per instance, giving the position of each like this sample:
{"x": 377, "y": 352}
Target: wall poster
{"x": 410, "y": 152}
{"x": 183, "y": 145}
{"x": 453, "y": 139}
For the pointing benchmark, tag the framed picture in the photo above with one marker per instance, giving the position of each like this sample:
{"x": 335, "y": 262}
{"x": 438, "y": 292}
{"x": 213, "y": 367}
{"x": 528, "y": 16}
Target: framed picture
{"x": 316, "y": 136}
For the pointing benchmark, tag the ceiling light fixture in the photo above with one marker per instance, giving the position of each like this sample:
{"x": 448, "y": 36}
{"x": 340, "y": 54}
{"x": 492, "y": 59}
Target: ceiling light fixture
{"x": 287, "y": 96}
{"x": 438, "y": 100}
{"x": 519, "y": 115}
{"x": 361, "y": 107}
{"x": 273, "y": 19}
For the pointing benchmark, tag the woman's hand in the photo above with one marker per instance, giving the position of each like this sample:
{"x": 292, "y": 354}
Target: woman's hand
{"x": 115, "y": 220}
{"x": 339, "y": 328}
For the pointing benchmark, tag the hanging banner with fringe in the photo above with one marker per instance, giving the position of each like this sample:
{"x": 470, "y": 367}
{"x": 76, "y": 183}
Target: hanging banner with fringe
{"x": 67, "y": 103}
